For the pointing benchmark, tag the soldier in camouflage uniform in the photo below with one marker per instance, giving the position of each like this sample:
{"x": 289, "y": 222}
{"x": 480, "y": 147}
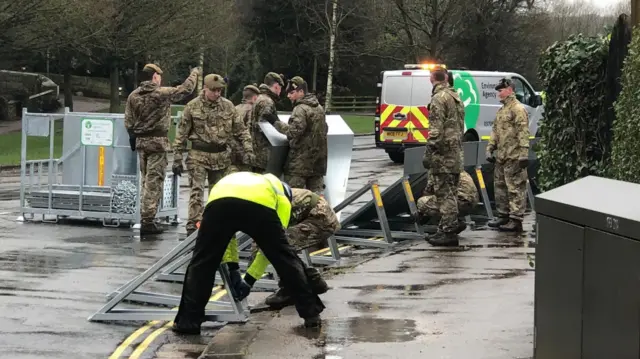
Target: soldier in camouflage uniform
{"x": 264, "y": 110}
{"x": 312, "y": 222}
{"x": 306, "y": 164}
{"x": 147, "y": 118}
{"x": 509, "y": 149}
{"x": 443, "y": 155}
{"x": 467, "y": 200}
{"x": 211, "y": 123}
{"x": 249, "y": 96}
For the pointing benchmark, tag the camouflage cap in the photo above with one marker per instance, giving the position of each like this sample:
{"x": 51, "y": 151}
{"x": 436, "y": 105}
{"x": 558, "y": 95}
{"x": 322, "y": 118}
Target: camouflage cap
{"x": 294, "y": 83}
{"x": 252, "y": 88}
{"x": 274, "y": 77}
{"x": 504, "y": 83}
{"x": 214, "y": 82}
{"x": 152, "y": 67}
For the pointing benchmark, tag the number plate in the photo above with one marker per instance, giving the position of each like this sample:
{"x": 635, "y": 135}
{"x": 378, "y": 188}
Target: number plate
{"x": 395, "y": 135}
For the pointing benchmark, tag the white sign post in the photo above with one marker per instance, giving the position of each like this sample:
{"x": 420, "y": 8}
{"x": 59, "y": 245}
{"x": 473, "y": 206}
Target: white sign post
{"x": 97, "y": 132}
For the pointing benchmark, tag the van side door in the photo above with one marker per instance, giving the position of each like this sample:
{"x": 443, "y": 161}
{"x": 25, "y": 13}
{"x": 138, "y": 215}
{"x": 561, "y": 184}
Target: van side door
{"x": 526, "y": 95}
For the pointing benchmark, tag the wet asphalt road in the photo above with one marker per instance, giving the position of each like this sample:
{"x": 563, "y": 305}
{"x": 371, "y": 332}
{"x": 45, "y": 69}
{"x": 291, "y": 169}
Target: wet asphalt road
{"x": 54, "y": 276}
{"x": 417, "y": 301}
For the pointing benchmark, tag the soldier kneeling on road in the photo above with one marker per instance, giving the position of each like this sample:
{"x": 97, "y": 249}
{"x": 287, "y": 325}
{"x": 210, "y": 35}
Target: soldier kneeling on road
{"x": 312, "y": 222}
{"x": 467, "y": 200}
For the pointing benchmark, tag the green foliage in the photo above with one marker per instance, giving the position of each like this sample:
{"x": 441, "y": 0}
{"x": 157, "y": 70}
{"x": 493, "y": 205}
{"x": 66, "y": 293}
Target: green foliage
{"x": 625, "y": 156}
{"x": 572, "y": 132}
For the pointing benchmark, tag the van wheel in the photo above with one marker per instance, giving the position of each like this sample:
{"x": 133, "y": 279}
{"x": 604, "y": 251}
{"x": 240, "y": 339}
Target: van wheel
{"x": 396, "y": 157}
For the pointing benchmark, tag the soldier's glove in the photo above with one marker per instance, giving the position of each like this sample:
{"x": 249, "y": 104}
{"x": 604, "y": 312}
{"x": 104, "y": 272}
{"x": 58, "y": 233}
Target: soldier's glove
{"x": 132, "y": 142}
{"x": 490, "y": 158}
{"x": 523, "y": 163}
{"x": 271, "y": 118}
{"x": 177, "y": 168}
{"x": 426, "y": 158}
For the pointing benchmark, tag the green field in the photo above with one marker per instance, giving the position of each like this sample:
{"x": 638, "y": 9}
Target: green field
{"x": 38, "y": 147}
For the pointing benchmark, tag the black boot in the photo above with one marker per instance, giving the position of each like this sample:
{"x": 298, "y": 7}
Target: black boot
{"x": 512, "y": 225}
{"x": 280, "y": 299}
{"x": 441, "y": 239}
{"x": 462, "y": 225}
{"x": 240, "y": 289}
{"x": 190, "y": 328}
{"x": 497, "y": 222}
{"x": 313, "y": 322}
{"x": 150, "y": 229}
{"x": 318, "y": 285}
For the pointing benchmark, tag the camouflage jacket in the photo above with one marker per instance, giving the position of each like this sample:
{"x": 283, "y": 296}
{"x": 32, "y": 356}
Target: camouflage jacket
{"x": 147, "y": 114}
{"x": 307, "y": 134}
{"x": 265, "y": 105}
{"x": 244, "y": 113}
{"x": 211, "y": 123}
{"x": 309, "y": 206}
{"x": 510, "y": 132}
{"x": 446, "y": 124}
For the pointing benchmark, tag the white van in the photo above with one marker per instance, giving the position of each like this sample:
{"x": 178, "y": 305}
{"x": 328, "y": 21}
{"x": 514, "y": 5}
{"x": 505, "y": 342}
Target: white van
{"x": 402, "y": 118}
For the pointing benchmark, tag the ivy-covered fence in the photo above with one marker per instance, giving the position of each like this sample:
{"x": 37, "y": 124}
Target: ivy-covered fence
{"x": 625, "y": 157}
{"x": 572, "y": 140}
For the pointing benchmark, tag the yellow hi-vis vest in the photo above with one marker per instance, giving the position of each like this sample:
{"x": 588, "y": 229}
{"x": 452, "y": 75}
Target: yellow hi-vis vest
{"x": 266, "y": 190}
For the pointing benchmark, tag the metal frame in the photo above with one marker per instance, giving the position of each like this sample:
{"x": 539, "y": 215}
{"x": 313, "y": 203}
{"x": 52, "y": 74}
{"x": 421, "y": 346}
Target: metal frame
{"x": 351, "y": 236}
{"x": 83, "y": 194}
{"x": 238, "y": 312}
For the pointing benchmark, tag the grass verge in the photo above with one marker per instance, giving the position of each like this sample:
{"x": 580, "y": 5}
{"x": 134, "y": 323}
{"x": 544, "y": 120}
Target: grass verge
{"x": 38, "y": 147}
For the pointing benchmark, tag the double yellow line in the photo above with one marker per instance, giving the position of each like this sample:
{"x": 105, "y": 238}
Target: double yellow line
{"x": 219, "y": 293}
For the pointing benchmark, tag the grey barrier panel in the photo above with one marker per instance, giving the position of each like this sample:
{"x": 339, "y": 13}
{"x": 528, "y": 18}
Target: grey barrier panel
{"x": 238, "y": 312}
{"x": 587, "y": 270}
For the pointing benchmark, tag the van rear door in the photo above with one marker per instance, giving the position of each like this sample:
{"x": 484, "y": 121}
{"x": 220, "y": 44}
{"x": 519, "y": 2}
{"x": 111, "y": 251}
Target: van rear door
{"x": 403, "y": 110}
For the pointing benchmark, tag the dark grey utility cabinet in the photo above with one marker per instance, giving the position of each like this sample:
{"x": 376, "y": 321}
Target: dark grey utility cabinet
{"x": 587, "y": 283}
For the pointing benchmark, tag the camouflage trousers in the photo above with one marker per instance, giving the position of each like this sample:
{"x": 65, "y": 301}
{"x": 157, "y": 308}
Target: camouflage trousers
{"x": 510, "y": 189}
{"x": 313, "y": 184}
{"x": 153, "y": 167}
{"x": 200, "y": 172}
{"x": 445, "y": 189}
{"x": 308, "y": 234}
{"x": 240, "y": 168}
{"x": 428, "y": 206}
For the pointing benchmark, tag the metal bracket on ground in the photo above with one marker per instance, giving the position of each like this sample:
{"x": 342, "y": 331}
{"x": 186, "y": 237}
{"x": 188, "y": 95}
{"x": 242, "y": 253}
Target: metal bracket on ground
{"x": 350, "y": 236}
{"x": 237, "y": 313}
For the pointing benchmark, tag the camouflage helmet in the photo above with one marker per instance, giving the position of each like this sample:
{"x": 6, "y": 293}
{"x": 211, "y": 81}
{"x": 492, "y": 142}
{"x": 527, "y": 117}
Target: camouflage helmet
{"x": 295, "y": 83}
{"x": 504, "y": 83}
{"x": 214, "y": 82}
{"x": 152, "y": 68}
{"x": 272, "y": 76}
{"x": 252, "y": 88}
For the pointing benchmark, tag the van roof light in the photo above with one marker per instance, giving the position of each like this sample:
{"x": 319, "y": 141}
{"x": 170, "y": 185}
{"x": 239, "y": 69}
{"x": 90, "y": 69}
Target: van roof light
{"x": 424, "y": 66}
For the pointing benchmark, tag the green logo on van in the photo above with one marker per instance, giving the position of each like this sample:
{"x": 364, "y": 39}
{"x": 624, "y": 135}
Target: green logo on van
{"x": 466, "y": 87}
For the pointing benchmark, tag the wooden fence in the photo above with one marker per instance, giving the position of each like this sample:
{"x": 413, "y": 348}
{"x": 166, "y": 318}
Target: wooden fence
{"x": 353, "y": 104}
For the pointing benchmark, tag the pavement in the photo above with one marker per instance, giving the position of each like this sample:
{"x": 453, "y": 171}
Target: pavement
{"x": 411, "y": 300}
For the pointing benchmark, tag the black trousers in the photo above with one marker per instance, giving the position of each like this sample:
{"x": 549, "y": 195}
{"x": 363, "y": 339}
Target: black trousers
{"x": 221, "y": 219}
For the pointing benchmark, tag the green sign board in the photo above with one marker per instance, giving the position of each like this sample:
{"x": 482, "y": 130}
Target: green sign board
{"x": 97, "y": 132}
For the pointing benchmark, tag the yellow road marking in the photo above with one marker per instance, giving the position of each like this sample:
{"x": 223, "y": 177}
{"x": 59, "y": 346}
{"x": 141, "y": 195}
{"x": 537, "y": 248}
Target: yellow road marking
{"x": 145, "y": 344}
{"x": 125, "y": 344}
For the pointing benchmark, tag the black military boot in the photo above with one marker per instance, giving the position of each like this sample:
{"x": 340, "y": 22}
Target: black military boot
{"x": 318, "y": 285}
{"x": 497, "y": 222}
{"x": 442, "y": 239}
{"x": 150, "y": 228}
{"x": 512, "y": 225}
{"x": 313, "y": 322}
{"x": 189, "y": 328}
{"x": 462, "y": 225}
{"x": 240, "y": 288}
{"x": 280, "y": 299}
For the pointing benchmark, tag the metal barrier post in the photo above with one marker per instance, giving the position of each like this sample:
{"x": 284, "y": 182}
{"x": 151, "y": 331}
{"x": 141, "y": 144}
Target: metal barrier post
{"x": 483, "y": 191}
{"x": 413, "y": 209}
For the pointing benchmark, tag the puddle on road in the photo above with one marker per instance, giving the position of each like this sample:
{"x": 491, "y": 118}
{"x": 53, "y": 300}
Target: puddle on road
{"x": 360, "y": 330}
{"x": 111, "y": 239}
{"x": 365, "y": 307}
